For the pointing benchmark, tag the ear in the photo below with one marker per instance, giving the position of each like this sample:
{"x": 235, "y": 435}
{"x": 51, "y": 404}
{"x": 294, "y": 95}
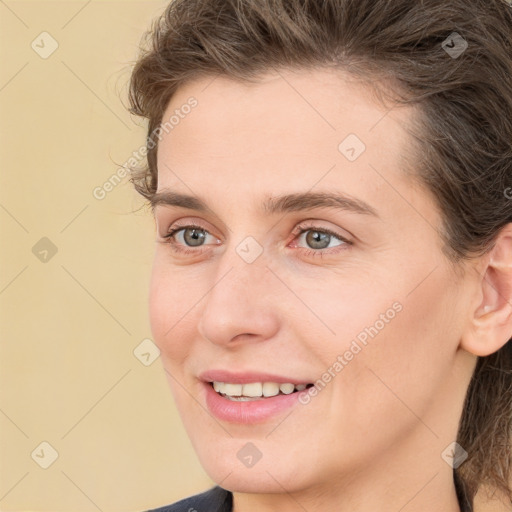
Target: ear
{"x": 490, "y": 326}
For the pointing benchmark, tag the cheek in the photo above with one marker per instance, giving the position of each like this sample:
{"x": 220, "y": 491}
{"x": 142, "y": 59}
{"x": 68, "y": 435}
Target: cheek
{"x": 405, "y": 367}
{"x": 172, "y": 300}
{"x": 396, "y": 342}
{"x": 337, "y": 314}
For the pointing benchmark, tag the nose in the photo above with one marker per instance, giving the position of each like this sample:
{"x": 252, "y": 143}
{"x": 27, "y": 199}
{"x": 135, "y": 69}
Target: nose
{"x": 241, "y": 304}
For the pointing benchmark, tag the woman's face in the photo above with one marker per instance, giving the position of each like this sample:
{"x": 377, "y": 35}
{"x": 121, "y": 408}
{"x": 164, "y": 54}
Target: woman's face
{"x": 346, "y": 286}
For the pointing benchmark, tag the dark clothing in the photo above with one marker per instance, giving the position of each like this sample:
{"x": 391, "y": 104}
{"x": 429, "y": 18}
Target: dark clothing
{"x": 213, "y": 500}
{"x": 220, "y": 500}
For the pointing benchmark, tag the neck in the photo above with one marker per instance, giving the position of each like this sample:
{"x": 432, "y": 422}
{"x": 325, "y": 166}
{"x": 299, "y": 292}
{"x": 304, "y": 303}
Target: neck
{"x": 417, "y": 495}
{"x": 406, "y": 479}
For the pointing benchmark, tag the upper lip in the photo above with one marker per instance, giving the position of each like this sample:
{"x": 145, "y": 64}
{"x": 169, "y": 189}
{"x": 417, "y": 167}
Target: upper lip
{"x": 247, "y": 377}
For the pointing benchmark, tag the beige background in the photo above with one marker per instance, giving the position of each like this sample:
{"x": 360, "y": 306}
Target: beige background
{"x": 70, "y": 321}
{"x": 69, "y": 325}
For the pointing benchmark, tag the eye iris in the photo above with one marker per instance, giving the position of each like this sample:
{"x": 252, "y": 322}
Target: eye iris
{"x": 194, "y": 237}
{"x": 318, "y": 240}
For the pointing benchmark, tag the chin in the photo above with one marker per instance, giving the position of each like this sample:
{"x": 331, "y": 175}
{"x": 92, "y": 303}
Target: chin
{"x": 254, "y": 483}
{"x": 266, "y": 476}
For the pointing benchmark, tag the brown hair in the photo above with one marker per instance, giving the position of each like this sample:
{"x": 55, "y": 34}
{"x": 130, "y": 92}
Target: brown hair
{"x": 462, "y": 139}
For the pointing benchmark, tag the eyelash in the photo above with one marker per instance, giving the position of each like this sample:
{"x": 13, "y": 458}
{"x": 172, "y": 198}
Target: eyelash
{"x": 298, "y": 231}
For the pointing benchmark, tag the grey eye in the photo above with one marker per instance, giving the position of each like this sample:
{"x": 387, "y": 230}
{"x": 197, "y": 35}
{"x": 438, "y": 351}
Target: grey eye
{"x": 192, "y": 236}
{"x": 318, "y": 239}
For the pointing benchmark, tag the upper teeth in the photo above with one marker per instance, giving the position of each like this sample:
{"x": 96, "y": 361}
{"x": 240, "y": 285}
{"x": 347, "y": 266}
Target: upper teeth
{"x": 255, "y": 389}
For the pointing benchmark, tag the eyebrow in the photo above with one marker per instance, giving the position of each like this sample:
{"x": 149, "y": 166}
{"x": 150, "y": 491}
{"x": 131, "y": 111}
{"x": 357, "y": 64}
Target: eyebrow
{"x": 273, "y": 205}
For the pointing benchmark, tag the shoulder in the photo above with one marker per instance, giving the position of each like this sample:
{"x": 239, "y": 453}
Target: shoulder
{"x": 213, "y": 500}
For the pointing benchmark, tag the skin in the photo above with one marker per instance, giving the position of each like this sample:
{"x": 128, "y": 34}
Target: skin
{"x": 372, "y": 439}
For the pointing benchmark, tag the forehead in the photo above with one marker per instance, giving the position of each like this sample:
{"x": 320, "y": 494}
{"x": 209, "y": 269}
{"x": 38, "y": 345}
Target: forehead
{"x": 292, "y": 131}
{"x": 295, "y": 113}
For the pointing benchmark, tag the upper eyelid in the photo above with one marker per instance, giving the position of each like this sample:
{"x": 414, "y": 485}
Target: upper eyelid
{"x": 314, "y": 220}
{"x": 315, "y": 227}
{"x": 297, "y": 229}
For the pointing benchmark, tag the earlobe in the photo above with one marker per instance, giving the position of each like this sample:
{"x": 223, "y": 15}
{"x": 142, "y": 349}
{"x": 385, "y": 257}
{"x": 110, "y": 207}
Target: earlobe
{"x": 491, "y": 322}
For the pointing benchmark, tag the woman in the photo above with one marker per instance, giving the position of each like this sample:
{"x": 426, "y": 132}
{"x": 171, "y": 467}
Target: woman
{"x": 332, "y": 283}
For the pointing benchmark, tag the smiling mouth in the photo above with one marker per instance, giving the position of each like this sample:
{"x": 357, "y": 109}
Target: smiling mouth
{"x": 256, "y": 390}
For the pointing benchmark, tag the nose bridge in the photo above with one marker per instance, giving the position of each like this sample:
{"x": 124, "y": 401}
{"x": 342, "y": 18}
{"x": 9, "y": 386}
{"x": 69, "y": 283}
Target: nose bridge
{"x": 239, "y": 301}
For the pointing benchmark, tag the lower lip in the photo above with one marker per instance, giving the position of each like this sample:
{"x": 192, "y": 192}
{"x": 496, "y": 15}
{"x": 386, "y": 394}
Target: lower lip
{"x": 253, "y": 411}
